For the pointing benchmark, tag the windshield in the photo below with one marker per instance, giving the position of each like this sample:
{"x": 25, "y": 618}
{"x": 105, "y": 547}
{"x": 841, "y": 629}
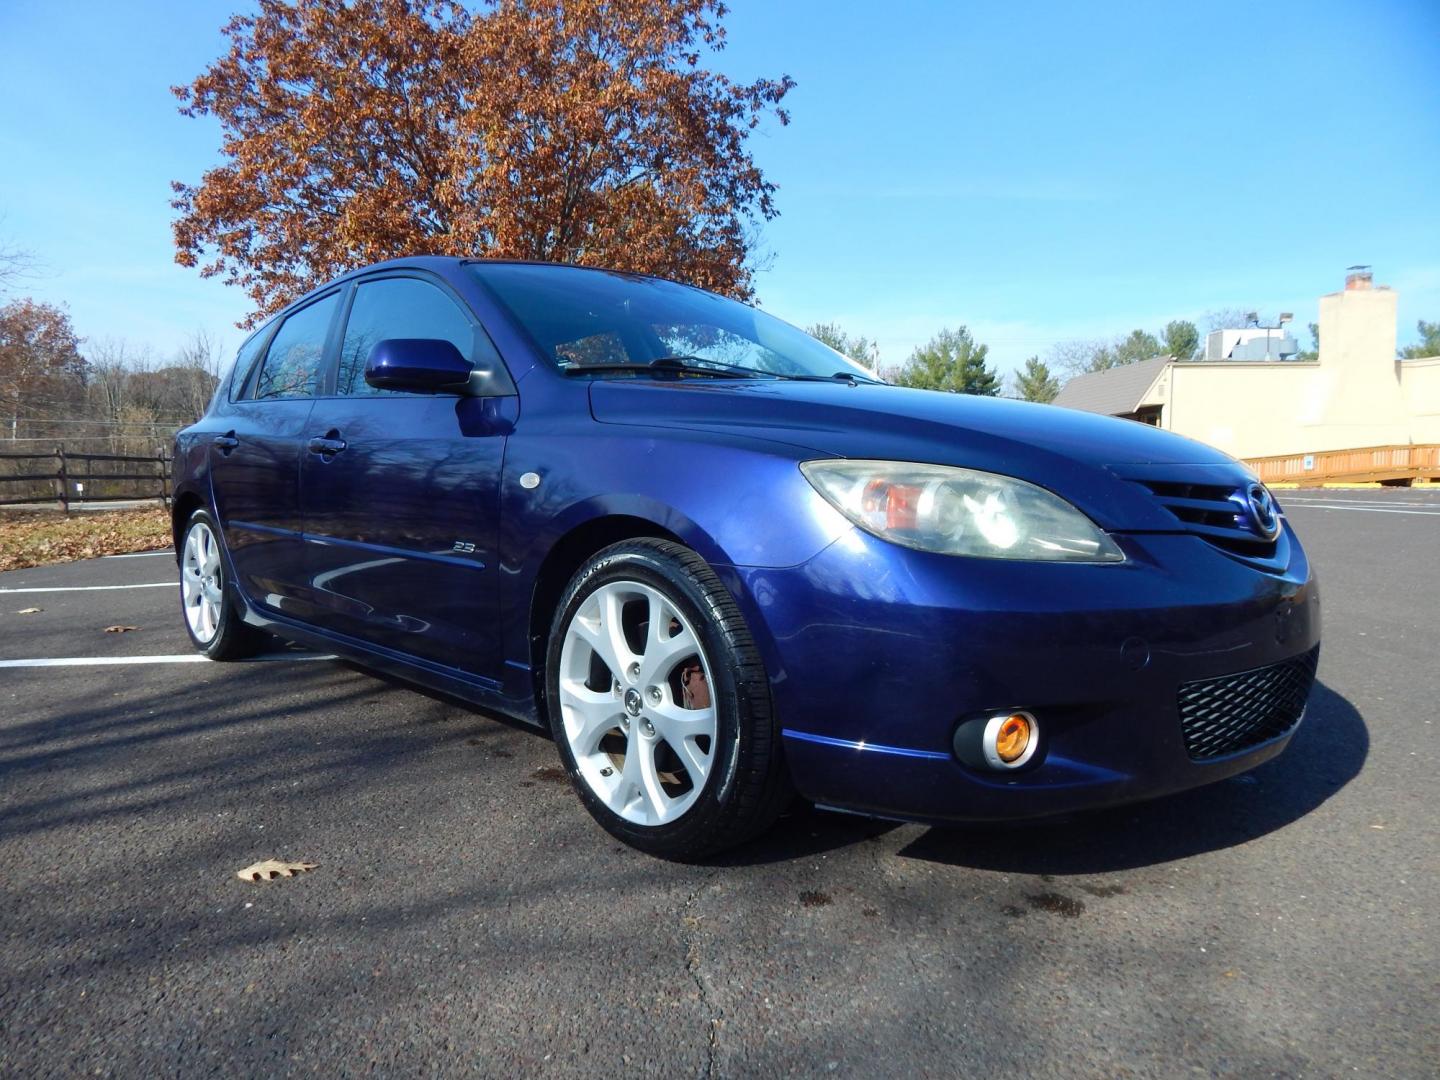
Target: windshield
{"x": 600, "y": 319}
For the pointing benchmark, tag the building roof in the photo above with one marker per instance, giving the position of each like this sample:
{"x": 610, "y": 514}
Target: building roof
{"x": 1116, "y": 391}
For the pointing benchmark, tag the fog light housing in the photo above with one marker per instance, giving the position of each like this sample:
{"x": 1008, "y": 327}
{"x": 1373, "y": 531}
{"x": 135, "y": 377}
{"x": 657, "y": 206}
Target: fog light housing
{"x": 1001, "y": 741}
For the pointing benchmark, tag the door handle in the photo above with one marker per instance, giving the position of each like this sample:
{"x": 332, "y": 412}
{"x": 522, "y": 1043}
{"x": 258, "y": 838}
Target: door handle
{"x": 327, "y": 446}
{"x": 227, "y": 442}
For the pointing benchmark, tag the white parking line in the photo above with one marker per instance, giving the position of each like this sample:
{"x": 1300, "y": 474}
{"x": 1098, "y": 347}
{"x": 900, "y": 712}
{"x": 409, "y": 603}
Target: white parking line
{"x": 97, "y": 588}
{"x": 138, "y": 555}
{"x": 1366, "y": 509}
{"x": 1362, "y": 502}
{"x": 1418, "y": 508}
{"x": 179, "y": 658}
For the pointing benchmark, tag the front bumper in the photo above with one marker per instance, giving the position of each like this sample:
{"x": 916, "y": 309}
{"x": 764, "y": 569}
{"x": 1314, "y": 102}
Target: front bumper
{"x": 877, "y": 653}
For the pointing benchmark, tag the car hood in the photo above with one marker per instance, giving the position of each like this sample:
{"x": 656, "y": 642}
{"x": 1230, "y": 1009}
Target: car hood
{"x": 1089, "y": 459}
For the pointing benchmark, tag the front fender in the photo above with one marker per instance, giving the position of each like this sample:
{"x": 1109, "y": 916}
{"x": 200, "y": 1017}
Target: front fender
{"x": 735, "y": 502}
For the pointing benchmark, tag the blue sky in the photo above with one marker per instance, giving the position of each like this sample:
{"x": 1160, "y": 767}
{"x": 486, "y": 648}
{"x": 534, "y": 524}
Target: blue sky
{"x": 1038, "y": 171}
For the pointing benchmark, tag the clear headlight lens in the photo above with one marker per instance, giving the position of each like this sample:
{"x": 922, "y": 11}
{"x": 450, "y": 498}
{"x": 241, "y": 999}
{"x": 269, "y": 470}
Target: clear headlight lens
{"x": 959, "y": 511}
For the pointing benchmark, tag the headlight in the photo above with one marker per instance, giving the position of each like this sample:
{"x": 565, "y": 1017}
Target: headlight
{"x": 959, "y": 511}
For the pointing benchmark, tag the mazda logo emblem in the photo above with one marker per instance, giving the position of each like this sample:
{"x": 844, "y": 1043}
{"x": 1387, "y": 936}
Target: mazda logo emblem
{"x": 1260, "y": 509}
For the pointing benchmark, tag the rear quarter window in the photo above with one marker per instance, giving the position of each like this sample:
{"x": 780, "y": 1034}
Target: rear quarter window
{"x": 245, "y": 361}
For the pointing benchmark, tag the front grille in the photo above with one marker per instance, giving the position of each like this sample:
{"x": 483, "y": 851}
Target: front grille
{"x": 1235, "y": 712}
{"x": 1215, "y": 511}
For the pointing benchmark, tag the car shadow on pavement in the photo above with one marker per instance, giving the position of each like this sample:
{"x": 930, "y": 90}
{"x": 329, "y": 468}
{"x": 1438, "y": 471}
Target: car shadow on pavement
{"x": 1326, "y": 754}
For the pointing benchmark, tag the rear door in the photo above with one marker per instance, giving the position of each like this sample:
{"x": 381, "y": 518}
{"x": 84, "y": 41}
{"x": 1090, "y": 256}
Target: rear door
{"x": 255, "y": 460}
{"x": 401, "y": 493}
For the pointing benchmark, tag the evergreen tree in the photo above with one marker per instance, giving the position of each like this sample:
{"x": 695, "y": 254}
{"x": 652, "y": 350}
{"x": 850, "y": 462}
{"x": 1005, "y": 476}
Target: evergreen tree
{"x": 857, "y": 347}
{"x": 952, "y": 360}
{"x": 1429, "y": 344}
{"x": 1035, "y": 383}
{"x": 1181, "y": 340}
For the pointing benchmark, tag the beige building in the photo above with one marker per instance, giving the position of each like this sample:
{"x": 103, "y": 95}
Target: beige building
{"x": 1357, "y": 394}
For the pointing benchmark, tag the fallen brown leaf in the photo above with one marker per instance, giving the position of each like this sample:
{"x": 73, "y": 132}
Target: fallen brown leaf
{"x": 39, "y": 538}
{"x": 120, "y": 629}
{"x": 29, "y": 611}
{"x": 269, "y": 869}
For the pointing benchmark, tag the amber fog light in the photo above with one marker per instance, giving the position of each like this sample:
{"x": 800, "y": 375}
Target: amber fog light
{"x": 1012, "y": 738}
{"x": 1001, "y": 741}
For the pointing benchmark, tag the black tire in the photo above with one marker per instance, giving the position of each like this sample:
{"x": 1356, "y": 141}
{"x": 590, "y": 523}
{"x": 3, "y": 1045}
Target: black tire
{"x": 233, "y": 639}
{"x": 747, "y": 785}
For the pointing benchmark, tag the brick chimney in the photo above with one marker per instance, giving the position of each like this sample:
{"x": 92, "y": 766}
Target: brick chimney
{"x": 1358, "y": 277}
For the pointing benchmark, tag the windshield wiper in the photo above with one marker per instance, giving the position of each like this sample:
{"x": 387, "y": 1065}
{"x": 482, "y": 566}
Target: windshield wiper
{"x": 699, "y": 365}
{"x": 704, "y": 363}
{"x": 851, "y": 377}
{"x": 681, "y": 365}
{"x": 840, "y": 376}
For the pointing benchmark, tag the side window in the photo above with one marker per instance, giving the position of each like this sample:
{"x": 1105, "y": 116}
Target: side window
{"x": 397, "y": 308}
{"x": 245, "y": 361}
{"x": 292, "y": 362}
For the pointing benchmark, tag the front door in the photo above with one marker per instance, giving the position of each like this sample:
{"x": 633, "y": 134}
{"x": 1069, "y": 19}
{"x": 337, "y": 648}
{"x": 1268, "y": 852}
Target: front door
{"x": 255, "y": 458}
{"x": 401, "y": 492}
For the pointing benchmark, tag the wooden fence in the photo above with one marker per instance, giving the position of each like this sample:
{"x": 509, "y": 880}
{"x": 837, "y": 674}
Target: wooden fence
{"x": 80, "y": 478}
{"x": 1395, "y": 464}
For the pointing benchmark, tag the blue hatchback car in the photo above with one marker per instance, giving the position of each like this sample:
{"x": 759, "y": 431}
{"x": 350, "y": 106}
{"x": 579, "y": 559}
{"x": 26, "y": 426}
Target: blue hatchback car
{"x": 724, "y": 564}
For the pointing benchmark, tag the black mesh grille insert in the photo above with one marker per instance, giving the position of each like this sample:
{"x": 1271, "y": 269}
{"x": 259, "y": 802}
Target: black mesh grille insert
{"x": 1235, "y": 712}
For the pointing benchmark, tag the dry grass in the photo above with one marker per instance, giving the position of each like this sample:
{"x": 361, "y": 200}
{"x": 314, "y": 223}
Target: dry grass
{"x": 35, "y": 538}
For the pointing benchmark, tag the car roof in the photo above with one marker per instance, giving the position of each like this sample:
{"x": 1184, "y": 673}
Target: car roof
{"x": 452, "y": 262}
{"x": 440, "y": 264}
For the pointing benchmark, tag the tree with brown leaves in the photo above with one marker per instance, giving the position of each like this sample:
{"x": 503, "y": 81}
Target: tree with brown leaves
{"x": 41, "y": 369}
{"x": 579, "y": 131}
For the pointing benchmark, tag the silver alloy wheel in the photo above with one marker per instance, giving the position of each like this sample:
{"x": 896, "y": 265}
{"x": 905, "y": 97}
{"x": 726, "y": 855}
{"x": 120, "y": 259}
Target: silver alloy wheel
{"x": 643, "y": 753}
{"x": 201, "y": 585}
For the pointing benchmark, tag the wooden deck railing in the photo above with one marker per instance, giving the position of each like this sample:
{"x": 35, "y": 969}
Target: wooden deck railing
{"x": 77, "y": 478}
{"x": 1368, "y": 463}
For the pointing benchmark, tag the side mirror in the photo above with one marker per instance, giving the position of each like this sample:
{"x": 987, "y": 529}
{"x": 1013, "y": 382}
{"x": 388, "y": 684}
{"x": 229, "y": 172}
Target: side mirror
{"x": 419, "y": 365}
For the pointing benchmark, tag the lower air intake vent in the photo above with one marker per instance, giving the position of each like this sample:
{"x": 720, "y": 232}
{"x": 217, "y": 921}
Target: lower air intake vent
{"x": 1235, "y": 712}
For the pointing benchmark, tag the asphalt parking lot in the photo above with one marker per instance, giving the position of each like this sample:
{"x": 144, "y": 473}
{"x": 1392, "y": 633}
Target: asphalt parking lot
{"x": 467, "y": 916}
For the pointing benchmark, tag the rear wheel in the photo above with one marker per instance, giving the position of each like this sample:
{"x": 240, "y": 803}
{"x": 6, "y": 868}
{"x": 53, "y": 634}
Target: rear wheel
{"x": 660, "y": 704}
{"x": 212, "y": 616}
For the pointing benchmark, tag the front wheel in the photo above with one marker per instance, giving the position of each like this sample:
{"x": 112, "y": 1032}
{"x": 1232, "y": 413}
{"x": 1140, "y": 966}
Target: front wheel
{"x": 660, "y": 705}
{"x": 212, "y": 616}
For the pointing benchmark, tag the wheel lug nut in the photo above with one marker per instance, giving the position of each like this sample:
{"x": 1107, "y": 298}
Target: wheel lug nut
{"x": 633, "y": 671}
{"x": 647, "y": 727}
{"x": 655, "y": 695}
{"x": 607, "y": 771}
